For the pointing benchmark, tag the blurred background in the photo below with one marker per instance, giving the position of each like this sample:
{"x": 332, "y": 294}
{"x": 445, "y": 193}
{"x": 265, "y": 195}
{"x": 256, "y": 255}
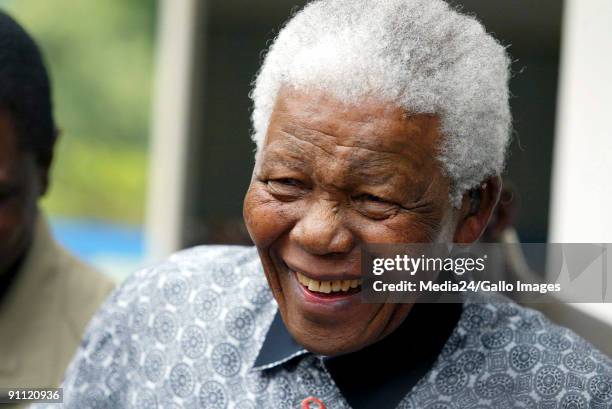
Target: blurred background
{"x": 100, "y": 57}
{"x": 152, "y": 100}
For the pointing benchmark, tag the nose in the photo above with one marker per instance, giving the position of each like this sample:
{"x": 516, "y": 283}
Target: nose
{"x": 321, "y": 230}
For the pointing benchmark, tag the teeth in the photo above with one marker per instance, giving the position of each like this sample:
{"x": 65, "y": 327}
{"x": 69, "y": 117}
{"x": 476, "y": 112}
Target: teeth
{"x": 336, "y": 285}
{"x": 314, "y": 285}
{"x": 303, "y": 279}
{"x": 327, "y": 286}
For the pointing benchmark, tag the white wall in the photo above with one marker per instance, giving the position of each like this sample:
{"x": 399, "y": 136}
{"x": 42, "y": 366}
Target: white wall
{"x": 170, "y": 134}
{"x": 581, "y": 200}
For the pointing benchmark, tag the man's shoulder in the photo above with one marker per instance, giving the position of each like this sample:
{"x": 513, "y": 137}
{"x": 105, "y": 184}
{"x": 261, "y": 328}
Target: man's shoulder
{"x": 214, "y": 253}
{"x": 512, "y": 348}
{"x": 81, "y": 288}
{"x": 201, "y": 260}
{"x": 203, "y": 309}
{"x": 82, "y": 277}
{"x": 218, "y": 268}
{"x": 526, "y": 319}
{"x": 79, "y": 285}
{"x": 500, "y": 322}
{"x": 200, "y": 286}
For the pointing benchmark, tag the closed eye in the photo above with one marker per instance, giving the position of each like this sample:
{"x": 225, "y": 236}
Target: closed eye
{"x": 371, "y": 198}
{"x": 287, "y": 182}
{"x": 286, "y": 189}
{"x": 374, "y": 207}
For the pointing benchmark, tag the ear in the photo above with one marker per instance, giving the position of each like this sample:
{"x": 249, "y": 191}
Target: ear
{"x": 44, "y": 166}
{"x": 476, "y": 209}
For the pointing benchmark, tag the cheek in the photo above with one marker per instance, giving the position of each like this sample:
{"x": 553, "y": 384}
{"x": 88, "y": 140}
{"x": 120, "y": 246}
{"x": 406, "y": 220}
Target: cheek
{"x": 16, "y": 220}
{"x": 266, "y": 219}
{"x": 9, "y": 224}
{"x": 18, "y": 212}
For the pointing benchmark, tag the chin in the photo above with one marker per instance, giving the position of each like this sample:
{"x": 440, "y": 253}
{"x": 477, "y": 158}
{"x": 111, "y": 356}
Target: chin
{"x": 329, "y": 343}
{"x": 333, "y": 338}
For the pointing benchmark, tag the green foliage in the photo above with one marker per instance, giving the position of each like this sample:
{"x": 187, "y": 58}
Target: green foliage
{"x": 99, "y": 181}
{"x": 100, "y": 57}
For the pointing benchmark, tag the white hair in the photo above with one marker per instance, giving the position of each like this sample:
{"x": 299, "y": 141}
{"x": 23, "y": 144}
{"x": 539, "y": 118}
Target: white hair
{"x": 420, "y": 54}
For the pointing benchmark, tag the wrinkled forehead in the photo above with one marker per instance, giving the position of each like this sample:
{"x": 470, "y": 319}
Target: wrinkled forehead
{"x": 369, "y": 129}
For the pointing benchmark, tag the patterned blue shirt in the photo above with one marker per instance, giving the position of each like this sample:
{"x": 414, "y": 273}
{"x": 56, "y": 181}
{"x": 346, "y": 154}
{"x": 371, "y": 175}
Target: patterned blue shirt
{"x": 187, "y": 333}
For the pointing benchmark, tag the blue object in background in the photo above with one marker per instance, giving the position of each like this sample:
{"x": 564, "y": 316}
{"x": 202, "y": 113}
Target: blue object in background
{"x": 115, "y": 249}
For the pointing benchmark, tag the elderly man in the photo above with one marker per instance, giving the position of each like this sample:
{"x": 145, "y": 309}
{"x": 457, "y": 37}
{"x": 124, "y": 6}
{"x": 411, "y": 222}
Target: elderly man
{"x": 46, "y": 296}
{"x": 375, "y": 122}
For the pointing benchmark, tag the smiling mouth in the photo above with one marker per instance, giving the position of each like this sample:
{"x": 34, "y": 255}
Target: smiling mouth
{"x": 329, "y": 287}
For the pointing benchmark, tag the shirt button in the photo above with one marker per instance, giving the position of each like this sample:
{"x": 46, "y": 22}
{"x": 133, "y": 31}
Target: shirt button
{"x": 312, "y": 403}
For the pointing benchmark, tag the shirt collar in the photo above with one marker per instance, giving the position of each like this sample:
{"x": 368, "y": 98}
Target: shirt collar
{"x": 380, "y": 375}
{"x": 278, "y": 347}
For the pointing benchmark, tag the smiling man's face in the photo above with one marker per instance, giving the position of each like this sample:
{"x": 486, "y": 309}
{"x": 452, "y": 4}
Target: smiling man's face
{"x": 330, "y": 178}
